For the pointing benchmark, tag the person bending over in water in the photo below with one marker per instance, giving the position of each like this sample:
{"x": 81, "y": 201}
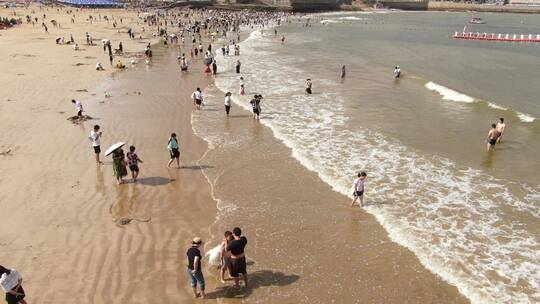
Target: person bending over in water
{"x": 501, "y": 126}
{"x": 492, "y": 137}
{"x": 78, "y": 107}
{"x": 358, "y": 192}
{"x": 308, "y": 86}
{"x": 397, "y": 72}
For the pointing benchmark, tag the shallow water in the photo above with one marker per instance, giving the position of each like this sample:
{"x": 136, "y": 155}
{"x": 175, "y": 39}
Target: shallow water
{"x": 469, "y": 216}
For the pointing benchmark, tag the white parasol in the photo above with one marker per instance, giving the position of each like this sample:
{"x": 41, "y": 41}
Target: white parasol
{"x": 114, "y": 147}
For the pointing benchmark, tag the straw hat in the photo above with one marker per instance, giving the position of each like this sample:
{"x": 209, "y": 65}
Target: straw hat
{"x": 196, "y": 241}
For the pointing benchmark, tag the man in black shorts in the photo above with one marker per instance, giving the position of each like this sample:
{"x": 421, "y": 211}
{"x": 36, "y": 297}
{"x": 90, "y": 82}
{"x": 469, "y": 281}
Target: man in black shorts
{"x": 238, "y": 259}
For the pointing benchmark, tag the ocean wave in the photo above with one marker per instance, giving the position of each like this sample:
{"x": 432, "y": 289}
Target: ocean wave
{"x": 525, "y": 117}
{"x": 448, "y": 94}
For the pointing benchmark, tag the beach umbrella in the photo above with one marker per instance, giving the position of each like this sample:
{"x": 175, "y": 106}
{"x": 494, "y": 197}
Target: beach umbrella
{"x": 114, "y": 147}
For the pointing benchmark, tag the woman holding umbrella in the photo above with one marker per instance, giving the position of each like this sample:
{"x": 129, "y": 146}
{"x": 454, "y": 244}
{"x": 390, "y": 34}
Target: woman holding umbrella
{"x": 119, "y": 161}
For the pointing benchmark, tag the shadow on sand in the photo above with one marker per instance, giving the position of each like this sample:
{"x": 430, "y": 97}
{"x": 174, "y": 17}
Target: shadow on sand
{"x": 154, "y": 181}
{"x": 258, "y": 279}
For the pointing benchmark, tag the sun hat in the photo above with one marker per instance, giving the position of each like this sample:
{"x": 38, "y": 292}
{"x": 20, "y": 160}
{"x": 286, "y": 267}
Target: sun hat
{"x": 196, "y": 241}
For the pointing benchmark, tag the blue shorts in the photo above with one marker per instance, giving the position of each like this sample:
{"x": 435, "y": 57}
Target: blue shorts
{"x": 195, "y": 278}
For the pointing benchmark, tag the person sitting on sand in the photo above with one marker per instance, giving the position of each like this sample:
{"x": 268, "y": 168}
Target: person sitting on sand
{"x": 120, "y": 65}
{"x": 78, "y": 107}
{"x": 10, "y": 281}
{"x": 76, "y": 47}
{"x": 99, "y": 67}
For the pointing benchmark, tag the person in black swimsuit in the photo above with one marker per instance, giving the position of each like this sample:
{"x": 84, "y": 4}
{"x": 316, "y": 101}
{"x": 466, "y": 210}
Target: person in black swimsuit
{"x": 238, "y": 259}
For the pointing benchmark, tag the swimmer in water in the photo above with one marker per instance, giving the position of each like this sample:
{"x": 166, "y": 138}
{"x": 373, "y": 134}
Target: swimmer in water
{"x": 501, "y": 126}
{"x": 308, "y": 86}
{"x": 397, "y": 72}
{"x": 492, "y": 137}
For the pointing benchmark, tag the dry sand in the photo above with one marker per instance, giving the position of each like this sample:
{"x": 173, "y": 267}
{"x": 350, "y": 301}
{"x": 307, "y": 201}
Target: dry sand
{"x": 60, "y": 211}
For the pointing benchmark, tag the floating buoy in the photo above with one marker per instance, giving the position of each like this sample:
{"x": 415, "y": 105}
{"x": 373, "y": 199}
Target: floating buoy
{"x": 497, "y": 37}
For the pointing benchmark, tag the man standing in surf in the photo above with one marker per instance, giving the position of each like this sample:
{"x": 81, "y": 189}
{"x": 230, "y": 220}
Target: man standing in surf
{"x": 501, "y": 126}
{"x": 238, "y": 258}
{"x": 492, "y": 137}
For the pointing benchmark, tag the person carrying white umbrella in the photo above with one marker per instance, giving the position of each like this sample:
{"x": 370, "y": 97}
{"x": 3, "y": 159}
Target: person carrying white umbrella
{"x": 119, "y": 161}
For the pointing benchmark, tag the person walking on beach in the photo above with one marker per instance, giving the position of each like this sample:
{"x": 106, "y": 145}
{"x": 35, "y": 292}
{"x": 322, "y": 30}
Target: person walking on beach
{"x": 10, "y": 282}
{"x": 238, "y": 258}
{"x": 119, "y": 165}
{"x": 224, "y": 255}
{"x": 308, "y": 86}
{"x": 501, "y": 126}
{"x": 343, "y": 72}
{"x": 197, "y": 98}
{"x": 358, "y": 192}
{"x": 172, "y": 145}
{"x": 228, "y": 103}
{"x": 195, "y": 273}
{"x": 238, "y": 64}
{"x": 95, "y": 138}
{"x": 133, "y": 163}
{"x": 78, "y": 107}
{"x": 214, "y": 68}
{"x": 492, "y": 137}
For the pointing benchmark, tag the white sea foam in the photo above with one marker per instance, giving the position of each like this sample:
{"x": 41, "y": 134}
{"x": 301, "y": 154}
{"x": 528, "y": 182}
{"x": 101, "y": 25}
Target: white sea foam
{"x": 448, "y": 94}
{"x": 462, "y": 224}
{"x": 525, "y": 117}
{"x": 351, "y": 18}
{"x": 496, "y": 106}
{"x": 326, "y": 21}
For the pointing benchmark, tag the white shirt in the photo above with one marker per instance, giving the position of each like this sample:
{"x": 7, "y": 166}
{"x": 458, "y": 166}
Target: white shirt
{"x": 95, "y": 138}
{"x": 9, "y": 281}
{"x": 78, "y": 105}
{"x": 359, "y": 185}
{"x": 228, "y": 101}
{"x": 197, "y": 95}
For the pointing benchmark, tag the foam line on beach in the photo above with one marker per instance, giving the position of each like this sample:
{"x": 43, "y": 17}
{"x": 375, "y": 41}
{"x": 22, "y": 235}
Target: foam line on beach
{"x": 447, "y": 93}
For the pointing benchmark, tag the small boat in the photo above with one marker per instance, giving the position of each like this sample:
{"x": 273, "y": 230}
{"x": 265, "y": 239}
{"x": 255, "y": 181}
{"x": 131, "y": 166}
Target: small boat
{"x": 477, "y": 20}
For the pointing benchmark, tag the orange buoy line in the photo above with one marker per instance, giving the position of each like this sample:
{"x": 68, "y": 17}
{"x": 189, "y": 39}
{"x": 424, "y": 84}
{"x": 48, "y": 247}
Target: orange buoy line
{"x": 497, "y": 37}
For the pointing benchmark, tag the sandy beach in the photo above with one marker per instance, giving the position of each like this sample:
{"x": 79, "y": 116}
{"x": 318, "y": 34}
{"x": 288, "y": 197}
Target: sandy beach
{"x": 77, "y": 236}
{"x": 61, "y": 209}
